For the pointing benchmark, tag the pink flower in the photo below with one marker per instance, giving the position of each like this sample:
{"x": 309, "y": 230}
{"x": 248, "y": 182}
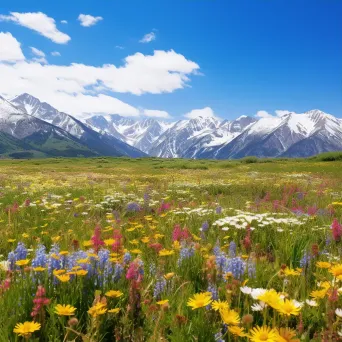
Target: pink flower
{"x": 336, "y": 230}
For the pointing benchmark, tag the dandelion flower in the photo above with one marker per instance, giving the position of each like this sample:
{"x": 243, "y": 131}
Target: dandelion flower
{"x": 237, "y": 331}
{"x": 230, "y": 317}
{"x": 162, "y": 302}
{"x": 271, "y": 298}
{"x": 97, "y": 310}
{"x": 323, "y": 264}
{"x": 23, "y": 262}
{"x": 288, "y": 307}
{"x": 218, "y": 305}
{"x": 114, "y": 294}
{"x": 168, "y": 276}
{"x": 200, "y": 300}
{"x": 263, "y": 334}
{"x": 287, "y": 335}
{"x": 114, "y": 311}
{"x": 166, "y": 252}
{"x": 64, "y": 278}
{"x": 26, "y": 329}
{"x": 336, "y": 270}
{"x": 64, "y": 310}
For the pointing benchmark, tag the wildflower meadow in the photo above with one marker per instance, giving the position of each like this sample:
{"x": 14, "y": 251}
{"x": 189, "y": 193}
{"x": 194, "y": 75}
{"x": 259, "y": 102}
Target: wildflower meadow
{"x": 107, "y": 249}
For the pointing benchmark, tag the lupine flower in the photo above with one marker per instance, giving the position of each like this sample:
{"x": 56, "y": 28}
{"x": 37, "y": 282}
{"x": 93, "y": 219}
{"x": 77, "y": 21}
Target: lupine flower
{"x": 159, "y": 288}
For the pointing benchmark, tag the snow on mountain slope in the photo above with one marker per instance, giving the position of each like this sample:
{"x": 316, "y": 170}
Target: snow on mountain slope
{"x": 103, "y": 144}
{"x": 176, "y": 140}
{"x": 140, "y": 134}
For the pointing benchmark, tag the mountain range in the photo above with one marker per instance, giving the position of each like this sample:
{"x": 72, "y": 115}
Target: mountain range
{"x": 31, "y": 128}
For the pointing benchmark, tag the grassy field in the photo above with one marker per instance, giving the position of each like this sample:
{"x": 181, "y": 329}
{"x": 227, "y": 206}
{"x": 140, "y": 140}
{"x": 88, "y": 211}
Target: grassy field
{"x": 118, "y": 249}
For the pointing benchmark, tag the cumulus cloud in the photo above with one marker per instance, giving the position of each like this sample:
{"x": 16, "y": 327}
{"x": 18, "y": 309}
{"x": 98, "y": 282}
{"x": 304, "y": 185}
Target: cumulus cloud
{"x": 79, "y": 89}
{"x": 149, "y": 37}
{"x": 55, "y": 53}
{"x": 88, "y": 20}
{"x": 64, "y": 22}
{"x": 156, "y": 113}
{"x": 40, "y": 23}
{"x": 10, "y": 50}
{"x": 206, "y": 112}
{"x": 263, "y": 114}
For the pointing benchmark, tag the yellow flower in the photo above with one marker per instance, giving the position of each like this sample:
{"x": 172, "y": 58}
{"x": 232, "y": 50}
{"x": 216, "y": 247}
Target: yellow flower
{"x": 145, "y": 239}
{"x": 217, "y": 305}
{"x": 81, "y": 272}
{"x": 230, "y": 317}
{"x": 319, "y": 294}
{"x": 26, "y": 329}
{"x": 263, "y": 334}
{"x": 323, "y": 264}
{"x": 58, "y": 272}
{"x": 237, "y": 331}
{"x": 292, "y": 272}
{"x": 114, "y": 311}
{"x": 63, "y": 252}
{"x": 87, "y": 243}
{"x": 55, "y": 256}
{"x": 200, "y": 300}
{"x": 271, "y": 298}
{"x": 39, "y": 269}
{"x": 97, "y": 310}
{"x": 83, "y": 261}
{"x": 286, "y": 335}
{"x": 64, "y": 310}
{"x": 11, "y": 240}
{"x": 25, "y": 235}
{"x": 162, "y": 302}
{"x": 22, "y": 262}
{"x": 136, "y": 251}
{"x": 176, "y": 245}
{"x": 336, "y": 270}
{"x": 64, "y": 278}
{"x": 288, "y": 307}
{"x": 109, "y": 242}
{"x": 166, "y": 252}
{"x": 114, "y": 294}
{"x": 168, "y": 276}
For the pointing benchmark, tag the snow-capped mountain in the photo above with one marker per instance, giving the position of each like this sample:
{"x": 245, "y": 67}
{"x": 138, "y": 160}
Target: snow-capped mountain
{"x": 289, "y": 135}
{"x": 26, "y": 120}
{"x": 176, "y": 140}
{"x": 102, "y": 144}
{"x": 140, "y": 134}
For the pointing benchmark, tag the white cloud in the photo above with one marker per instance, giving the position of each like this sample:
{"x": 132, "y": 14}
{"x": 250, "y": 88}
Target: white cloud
{"x": 87, "y": 20}
{"x": 55, "y": 53}
{"x": 119, "y": 47}
{"x": 263, "y": 114}
{"x": 206, "y": 112}
{"x": 149, "y": 37}
{"x": 40, "y": 55}
{"x": 156, "y": 113}
{"x": 37, "y": 52}
{"x": 40, "y": 23}
{"x": 10, "y": 50}
{"x": 64, "y": 22}
{"x": 78, "y": 89}
{"x": 281, "y": 112}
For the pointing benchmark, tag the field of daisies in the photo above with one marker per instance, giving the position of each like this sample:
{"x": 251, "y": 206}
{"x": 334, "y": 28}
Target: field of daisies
{"x": 149, "y": 250}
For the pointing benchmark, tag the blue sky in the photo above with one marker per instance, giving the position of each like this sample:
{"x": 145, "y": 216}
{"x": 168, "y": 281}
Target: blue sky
{"x": 252, "y": 54}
